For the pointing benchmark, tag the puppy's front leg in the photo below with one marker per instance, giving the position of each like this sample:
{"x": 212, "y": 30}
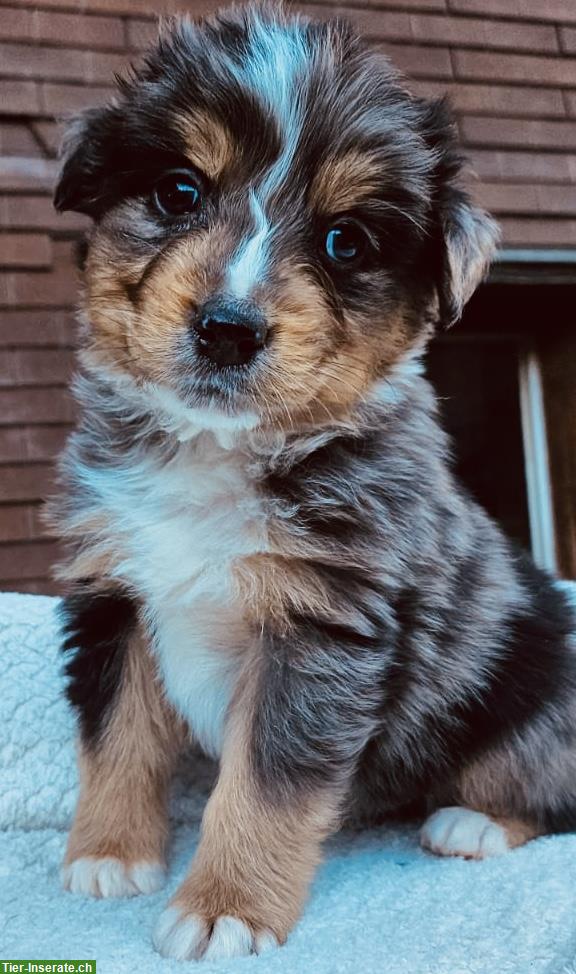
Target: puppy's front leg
{"x": 128, "y": 741}
{"x": 255, "y": 860}
{"x": 290, "y": 747}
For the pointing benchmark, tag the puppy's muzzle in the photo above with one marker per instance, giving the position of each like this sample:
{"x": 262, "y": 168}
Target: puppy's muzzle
{"x": 229, "y": 332}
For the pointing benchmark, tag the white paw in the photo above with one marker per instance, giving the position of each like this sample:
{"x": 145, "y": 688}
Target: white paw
{"x": 189, "y": 937}
{"x": 111, "y": 877}
{"x": 463, "y": 832}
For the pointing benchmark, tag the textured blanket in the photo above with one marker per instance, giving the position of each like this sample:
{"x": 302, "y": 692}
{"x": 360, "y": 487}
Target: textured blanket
{"x": 379, "y": 904}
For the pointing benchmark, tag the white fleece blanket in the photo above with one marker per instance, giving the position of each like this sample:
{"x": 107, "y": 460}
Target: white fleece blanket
{"x": 379, "y": 904}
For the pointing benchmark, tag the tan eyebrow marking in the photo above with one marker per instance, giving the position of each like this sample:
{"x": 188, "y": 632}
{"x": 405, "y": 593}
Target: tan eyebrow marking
{"x": 343, "y": 181}
{"x": 209, "y": 145}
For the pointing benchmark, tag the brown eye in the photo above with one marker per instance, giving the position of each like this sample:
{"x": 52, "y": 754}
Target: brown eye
{"x": 177, "y": 193}
{"x": 346, "y": 242}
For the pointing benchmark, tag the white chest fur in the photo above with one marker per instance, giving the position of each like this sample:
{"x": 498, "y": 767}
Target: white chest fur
{"x": 182, "y": 524}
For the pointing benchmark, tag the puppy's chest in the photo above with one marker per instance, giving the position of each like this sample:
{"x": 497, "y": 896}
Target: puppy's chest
{"x": 185, "y": 525}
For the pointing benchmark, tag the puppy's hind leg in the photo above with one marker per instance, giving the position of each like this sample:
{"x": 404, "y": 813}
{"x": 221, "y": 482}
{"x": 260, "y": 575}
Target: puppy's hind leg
{"x": 128, "y": 742}
{"x": 464, "y": 832}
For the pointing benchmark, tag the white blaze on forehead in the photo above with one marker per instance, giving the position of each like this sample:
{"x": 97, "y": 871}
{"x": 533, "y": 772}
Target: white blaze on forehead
{"x": 277, "y": 55}
{"x": 275, "y": 59}
{"x": 248, "y": 264}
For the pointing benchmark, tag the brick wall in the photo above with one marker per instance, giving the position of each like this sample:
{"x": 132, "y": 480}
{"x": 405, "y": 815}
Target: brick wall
{"x": 509, "y": 66}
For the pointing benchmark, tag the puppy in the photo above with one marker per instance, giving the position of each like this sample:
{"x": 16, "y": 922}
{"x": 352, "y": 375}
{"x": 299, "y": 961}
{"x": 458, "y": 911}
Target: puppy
{"x": 268, "y": 552}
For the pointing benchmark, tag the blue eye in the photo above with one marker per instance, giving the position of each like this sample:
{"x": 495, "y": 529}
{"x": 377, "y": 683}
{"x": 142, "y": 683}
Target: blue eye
{"x": 346, "y": 242}
{"x": 177, "y": 193}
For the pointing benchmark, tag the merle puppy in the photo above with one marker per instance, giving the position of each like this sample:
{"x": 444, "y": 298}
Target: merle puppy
{"x": 268, "y": 552}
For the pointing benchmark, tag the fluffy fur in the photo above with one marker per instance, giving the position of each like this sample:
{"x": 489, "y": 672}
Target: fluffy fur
{"x": 268, "y": 551}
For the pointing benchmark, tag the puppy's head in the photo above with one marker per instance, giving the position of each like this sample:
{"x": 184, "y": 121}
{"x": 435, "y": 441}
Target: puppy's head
{"x": 277, "y": 221}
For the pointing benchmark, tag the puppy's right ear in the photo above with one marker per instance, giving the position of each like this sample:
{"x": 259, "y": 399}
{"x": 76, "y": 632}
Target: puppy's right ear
{"x": 83, "y": 185}
{"x": 467, "y": 236}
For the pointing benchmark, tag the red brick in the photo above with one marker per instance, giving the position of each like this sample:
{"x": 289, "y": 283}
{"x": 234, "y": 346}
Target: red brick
{"x": 25, "y": 481}
{"x": 496, "y": 99}
{"x": 563, "y": 10}
{"x": 519, "y": 132}
{"x": 16, "y": 24}
{"x": 25, "y": 250}
{"x": 372, "y": 23}
{"x": 19, "y": 97}
{"x": 49, "y": 136}
{"x": 39, "y": 289}
{"x": 570, "y": 98}
{"x": 45, "y": 442}
{"x": 141, "y": 33}
{"x": 492, "y": 165}
{"x": 27, "y": 560}
{"x": 39, "y": 586}
{"x": 145, "y": 6}
{"x": 568, "y": 39}
{"x": 13, "y": 445}
{"x": 17, "y": 139}
{"x": 46, "y": 328}
{"x": 458, "y": 31}
{"x": 79, "y": 30}
{"x": 36, "y": 367}
{"x": 43, "y": 289}
{"x": 526, "y": 198}
{"x": 18, "y": 172}
{"x": 59, "y": 98}
{"x": 419, "y": 62}
{"x": 69, "y": 29}
{"x": 200, "y": 8}
{"x": 102, "y": 67}
{"x": 383, "y": 4}
{"x": 530, "y": 232}
{"x": 21, "y": 522}
{"x": 122, "y": 6}
{"x": 25, "y": 60}
{"x": 54, "y": 405}
{"x": 476, "y": 32}
{"x": 38, "y": 213}
{"x": 487, "y": 66}
{"x": 32, "y": 586}
{"x": 19, "y": 444}
{"x": 15, "y": 522}
{"x": 45, "y": 3}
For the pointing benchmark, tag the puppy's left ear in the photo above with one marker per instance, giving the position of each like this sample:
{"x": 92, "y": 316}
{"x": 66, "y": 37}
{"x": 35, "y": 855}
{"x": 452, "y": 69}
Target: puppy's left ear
{"x": 470, "y": 238}
{"x": 92, "y": 138}
{"x": 466, "y": 236}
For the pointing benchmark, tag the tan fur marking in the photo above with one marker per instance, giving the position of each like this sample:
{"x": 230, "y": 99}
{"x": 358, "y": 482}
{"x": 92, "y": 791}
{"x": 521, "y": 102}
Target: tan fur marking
{"x": 271, "y": 585}
{"x": 343, "y": 182}
{"x": 209, "y": 145}
{"x": 255, "y": 858}
{"x": 494, "y": 784}
{"x": 321, "y": 369}
{"x": 518, "y": 832}
{"x": 142, "y": 337}
{"x": 122, "y": 807}
{"x": 88, "y": 536}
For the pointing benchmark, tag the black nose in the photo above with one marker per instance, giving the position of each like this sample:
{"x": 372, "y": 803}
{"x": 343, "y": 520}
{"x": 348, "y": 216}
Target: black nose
{"x": 229, "y": 332}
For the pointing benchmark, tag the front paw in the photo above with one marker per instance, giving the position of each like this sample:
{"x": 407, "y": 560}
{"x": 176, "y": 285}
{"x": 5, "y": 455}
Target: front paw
{"x": 184, "y": 935}
{"x": 110, "y": 877}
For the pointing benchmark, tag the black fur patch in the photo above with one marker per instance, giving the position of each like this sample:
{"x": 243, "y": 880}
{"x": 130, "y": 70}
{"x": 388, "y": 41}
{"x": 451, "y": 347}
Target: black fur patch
{"x": 537, "y": 669}
{"x": 96, "y": 628}
{"x": 533, "y": 672}
{"x": 321, "y": 688}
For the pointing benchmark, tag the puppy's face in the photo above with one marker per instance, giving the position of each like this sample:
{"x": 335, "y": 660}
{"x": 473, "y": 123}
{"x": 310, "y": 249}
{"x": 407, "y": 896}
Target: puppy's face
{"x": 276, "y": 220}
